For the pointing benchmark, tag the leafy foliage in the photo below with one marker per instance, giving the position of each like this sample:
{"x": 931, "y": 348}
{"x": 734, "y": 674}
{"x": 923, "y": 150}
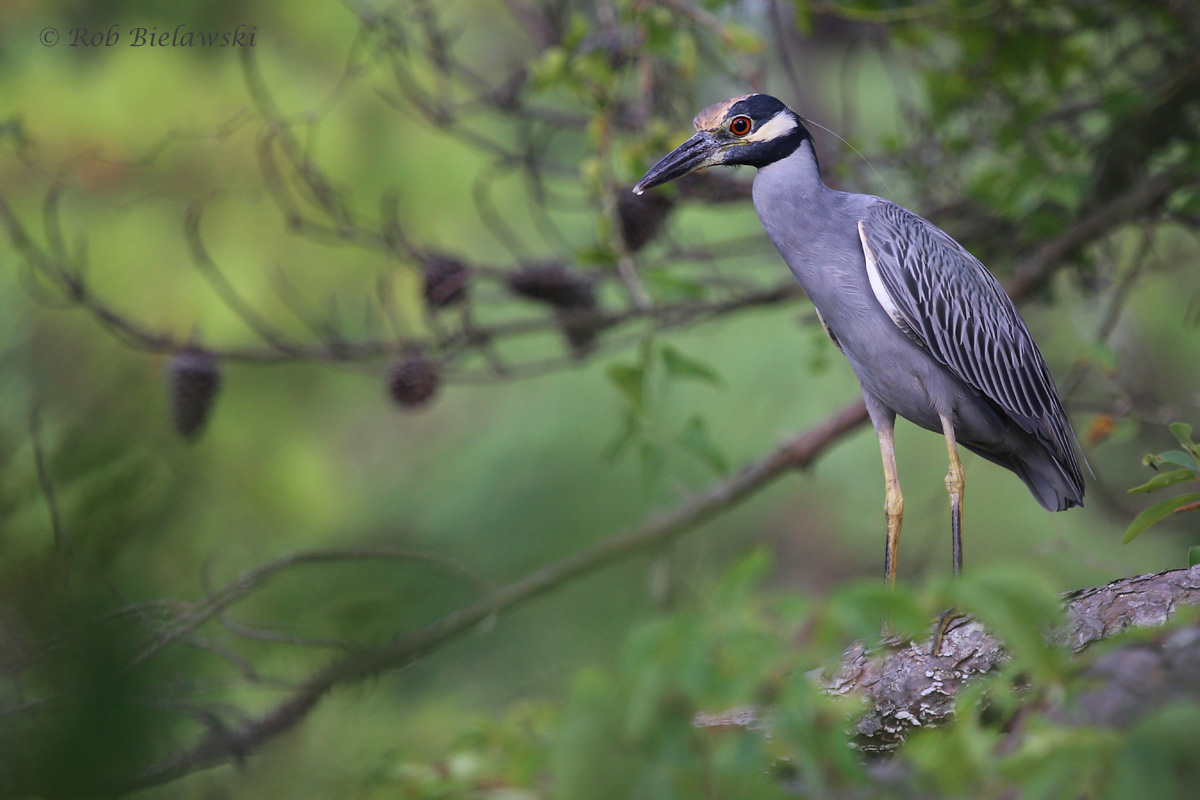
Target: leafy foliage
{"x": 1185, "y": 467}
{"x": 486, "y": 232}
{"x": 630, "y": 730}
{"x": 644, "y": 387}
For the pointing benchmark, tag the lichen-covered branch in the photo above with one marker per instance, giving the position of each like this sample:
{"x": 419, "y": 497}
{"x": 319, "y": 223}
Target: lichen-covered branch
{"x": 909, "y": 686}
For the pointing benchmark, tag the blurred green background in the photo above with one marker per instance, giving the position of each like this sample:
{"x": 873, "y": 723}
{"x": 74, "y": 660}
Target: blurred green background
{"x": 500, "y": 476}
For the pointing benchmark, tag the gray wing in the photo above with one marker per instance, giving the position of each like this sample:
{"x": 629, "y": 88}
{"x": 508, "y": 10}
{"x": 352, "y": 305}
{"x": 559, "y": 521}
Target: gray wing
{"x": 947, "y": 302}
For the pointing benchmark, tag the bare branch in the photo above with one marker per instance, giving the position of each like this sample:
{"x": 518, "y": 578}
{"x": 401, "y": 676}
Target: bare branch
{"x": 259, "y": 634}
{"x": 220, "y": 600}
{"x": 1133, "y": 204}
{"x": 46, "y": 484}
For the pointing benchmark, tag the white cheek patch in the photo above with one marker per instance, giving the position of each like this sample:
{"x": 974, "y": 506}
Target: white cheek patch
{"x": 779, "y": 125}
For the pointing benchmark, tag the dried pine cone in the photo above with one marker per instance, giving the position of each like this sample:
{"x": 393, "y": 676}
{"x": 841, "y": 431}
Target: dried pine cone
{"x": 553, "y": 284}
{"x": 579, "y": 331}
{"x": 193, "y": 380}
{"x": 642, "y": 217}
{"x": 413, "y": 381}
{"x": 711, "y": 186}
{"x": 445, "y": 281}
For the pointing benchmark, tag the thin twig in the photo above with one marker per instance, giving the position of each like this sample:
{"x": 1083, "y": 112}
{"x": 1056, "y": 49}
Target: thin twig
{"x": 224, "y": 289}
{"x": 46, "y": 484}
{"x": 220, "y": 600}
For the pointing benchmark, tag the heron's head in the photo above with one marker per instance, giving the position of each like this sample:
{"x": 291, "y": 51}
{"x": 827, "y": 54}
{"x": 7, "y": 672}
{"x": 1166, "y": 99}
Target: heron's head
{"x": 755, "y": 129}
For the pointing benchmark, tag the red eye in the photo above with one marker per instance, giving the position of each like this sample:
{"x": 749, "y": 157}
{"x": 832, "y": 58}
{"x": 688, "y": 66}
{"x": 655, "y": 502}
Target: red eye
{"x": 740, "y": 126}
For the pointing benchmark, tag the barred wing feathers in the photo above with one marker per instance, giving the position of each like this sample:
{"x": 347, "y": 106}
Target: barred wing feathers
{"x": 946, "y": 301}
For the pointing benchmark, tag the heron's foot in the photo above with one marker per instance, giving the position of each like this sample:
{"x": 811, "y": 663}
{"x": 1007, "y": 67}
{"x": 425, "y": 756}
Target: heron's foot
{"x": 945, "y": 620}
{"x": 890, "y": 638}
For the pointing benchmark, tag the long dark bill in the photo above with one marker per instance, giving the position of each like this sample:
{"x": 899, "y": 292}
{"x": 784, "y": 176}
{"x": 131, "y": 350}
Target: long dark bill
{"x": 690, "y": 156}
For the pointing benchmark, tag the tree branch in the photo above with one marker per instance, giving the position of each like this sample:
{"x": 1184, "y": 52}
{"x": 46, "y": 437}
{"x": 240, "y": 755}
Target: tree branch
{"x": 908, "y": 686}
{"x": 796, "y": 453}
{"x": 1102, "y": 221}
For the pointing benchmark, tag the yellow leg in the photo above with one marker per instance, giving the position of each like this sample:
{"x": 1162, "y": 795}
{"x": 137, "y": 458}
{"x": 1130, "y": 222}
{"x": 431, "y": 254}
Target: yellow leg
{"x": 893, "y": 504}
{"x": 955, "y": 484}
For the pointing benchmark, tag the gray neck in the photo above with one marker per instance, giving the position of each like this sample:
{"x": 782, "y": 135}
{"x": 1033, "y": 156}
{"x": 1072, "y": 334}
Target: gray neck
{"x": 792, "y": 201}
{"x": 799, "y": 171}
{"x": 812, "y": 226}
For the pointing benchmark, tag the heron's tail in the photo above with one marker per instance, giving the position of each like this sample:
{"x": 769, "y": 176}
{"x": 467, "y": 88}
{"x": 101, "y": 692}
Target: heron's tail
{"x": 1056, "y": 485}
{"x": 1050, "y": 483}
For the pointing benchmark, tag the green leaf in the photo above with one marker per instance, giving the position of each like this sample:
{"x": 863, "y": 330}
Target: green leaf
{"x": 666, "y": 284}
{"x": 654, "y": 457}
{"x": 1179, "y": 458}
{"x": 629, "y": 380}
{"x": 630, "y": 429}
{"x": 1122, "y": 102}
{"x": 1155, "y": 513}
{"x": 1184, "y": 202}
{"x": 741, "y": 38}
{"x": 695, "y": 439}
{"x": 684, "y": 366}
{"x": 686, "y": 57}
{"x": 1101, "y": 355}
{"x": 1164, "y": 480}
{"x": 649, "y": 686}
{"x": 1157, "y": 755}
{"x": 1193, "y": 556}
{"x": 744, "y": 577}
{"x": 1017, "y": 606}
{"x": 1182, "y": 432}
{"x": 858, "y": 608}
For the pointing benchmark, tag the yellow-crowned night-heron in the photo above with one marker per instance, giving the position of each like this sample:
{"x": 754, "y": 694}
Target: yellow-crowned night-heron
{"x": 930, "y": 333}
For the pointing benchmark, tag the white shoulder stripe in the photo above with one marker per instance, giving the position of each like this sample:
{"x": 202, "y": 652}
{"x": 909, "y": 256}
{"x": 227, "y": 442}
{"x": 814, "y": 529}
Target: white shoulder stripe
{"x": 877, "y": 285}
